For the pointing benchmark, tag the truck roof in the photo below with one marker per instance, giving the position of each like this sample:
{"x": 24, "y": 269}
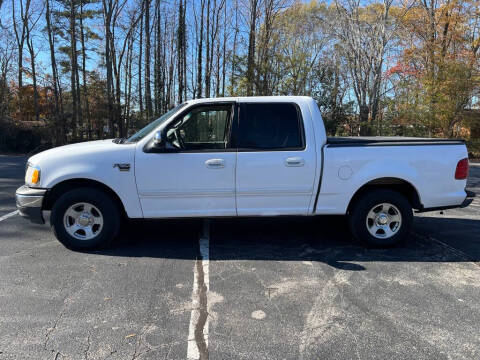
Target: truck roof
{"x": 259, "y": 99}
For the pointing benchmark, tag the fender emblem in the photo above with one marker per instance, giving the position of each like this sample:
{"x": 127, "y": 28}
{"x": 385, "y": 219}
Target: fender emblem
{"x": 122, "y": 167}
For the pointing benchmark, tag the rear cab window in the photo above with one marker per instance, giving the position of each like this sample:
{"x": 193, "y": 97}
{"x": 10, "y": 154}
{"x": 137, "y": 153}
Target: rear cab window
{"x": 270, "y": 127}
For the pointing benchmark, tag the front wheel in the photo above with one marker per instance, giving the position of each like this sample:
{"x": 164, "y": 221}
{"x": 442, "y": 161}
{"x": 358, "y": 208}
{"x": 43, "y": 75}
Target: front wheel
{"x": 85, "y": 219}
{"x": 381, "y": 218}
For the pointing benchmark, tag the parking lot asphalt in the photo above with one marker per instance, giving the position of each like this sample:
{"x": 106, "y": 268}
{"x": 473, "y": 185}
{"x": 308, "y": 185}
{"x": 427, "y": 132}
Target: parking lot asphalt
{"x": 265, "y": 288}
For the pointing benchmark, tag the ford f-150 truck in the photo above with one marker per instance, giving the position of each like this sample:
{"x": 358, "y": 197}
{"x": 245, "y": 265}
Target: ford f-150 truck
{"x": 253, "y": 156}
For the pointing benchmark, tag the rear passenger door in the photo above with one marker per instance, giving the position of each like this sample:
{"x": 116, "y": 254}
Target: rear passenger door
{"x": 276, "y": 162}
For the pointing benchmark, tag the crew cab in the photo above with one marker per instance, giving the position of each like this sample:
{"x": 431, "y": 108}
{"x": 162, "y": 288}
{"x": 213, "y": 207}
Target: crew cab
{"x": 245, "y": 156}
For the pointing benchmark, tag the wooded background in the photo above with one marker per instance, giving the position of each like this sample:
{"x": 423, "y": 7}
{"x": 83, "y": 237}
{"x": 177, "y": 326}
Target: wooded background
{"x": 76, "y": 70}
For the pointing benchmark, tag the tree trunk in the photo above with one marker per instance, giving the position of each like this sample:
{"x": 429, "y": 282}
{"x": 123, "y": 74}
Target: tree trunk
{"x": 156, "y": 62}
{"x": 179, "y": 53}
{"x": 185, "y": 29}
{"x": 363, "y": 117}
{"x": 31, "y": 50}
{"x": 171, "y": 73}
{"x": 180, "y": 50}
{"x": 20, "y": 38}
{"x": 148, "y": 93}
{"x": 215, "y": 50}
{"x": 217, "y": 73}
{"x": 107, "y": 14}
{"x": 207, "y": 50}
{"x": 224, "y": 57}
{"x": 140, "y": 51}
{"x": 84, "y": 76}
{"x": 234, "y": 49}
{"x": 73, "y": 55}
{"x": 163, "y": 76}
{"x": 251, "y": 47}
{"x": 60, "y": 134}
{"x": 78, "y": 95}
{"x": 129, "y": 88}
{"x": 200, "y": 52}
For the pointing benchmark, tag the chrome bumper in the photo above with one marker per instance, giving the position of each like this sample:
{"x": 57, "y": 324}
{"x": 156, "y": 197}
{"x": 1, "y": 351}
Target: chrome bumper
{"x": 29, "y": 203}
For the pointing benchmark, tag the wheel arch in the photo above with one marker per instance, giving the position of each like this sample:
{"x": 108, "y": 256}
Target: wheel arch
{"x": 62, "y": 187}
{"x": 402, "y": 186}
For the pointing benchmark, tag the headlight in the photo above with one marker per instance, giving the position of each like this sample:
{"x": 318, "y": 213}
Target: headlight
{"x": 32, "y": 175}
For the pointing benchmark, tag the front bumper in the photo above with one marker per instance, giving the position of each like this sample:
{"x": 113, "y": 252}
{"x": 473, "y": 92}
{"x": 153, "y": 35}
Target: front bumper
{"x": 29, "y": 203}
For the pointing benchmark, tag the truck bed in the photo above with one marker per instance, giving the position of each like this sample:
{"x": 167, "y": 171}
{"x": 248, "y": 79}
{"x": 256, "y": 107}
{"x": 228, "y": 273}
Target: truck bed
{"x": 388, "y": 141}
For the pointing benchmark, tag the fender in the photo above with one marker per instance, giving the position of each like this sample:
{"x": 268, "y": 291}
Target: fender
{"x": 381, "y": 169}
{"x": 121, "y": 185}
{"x": 103, "y": 161}
{"x": 336, "y": 193}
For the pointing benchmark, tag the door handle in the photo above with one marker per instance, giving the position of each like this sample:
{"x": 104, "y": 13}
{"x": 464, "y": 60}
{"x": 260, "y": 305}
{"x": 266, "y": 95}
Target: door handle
{"x": 294, "y": 161}
{"x": 215, "y": 163}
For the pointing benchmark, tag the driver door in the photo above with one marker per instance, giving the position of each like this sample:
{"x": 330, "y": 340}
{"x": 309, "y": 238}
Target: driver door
{"x": 196, "y": 175}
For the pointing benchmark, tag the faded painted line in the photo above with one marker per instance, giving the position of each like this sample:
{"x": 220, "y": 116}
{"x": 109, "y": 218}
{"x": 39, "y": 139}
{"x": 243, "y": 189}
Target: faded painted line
{"x": 453, "y": 250}
{"x": 9, "y": 215}
{"x": 457, "y": 252}
{"x": 198, "y": 328}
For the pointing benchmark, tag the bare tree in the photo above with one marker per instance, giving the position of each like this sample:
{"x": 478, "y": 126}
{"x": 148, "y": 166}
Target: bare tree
{"x": 31, "y": 23}
{"x": 6, "y": 59}
{"x": 224, "y": 55}
{"x": 20, "y": 30}
{"x": 108, "y": 9}
{"x": 140, "y": 52}
{"x": 157, "y": 63}
{"x": 252, "y": 22}
{"x": 181, "y": 51}
{"x": 84, "y": 72}
{"x": 128, "y": 83}
{"x": 234, "y": 49}
{"x": 148, "y": 92}
{"x": 270, "y": 10}
{"x": 58, "y": 105}
{"x": 119, "y": 56}
{"x": 200, "y": 50}
{"x": 364, "y": 45}
{"x": 215, "y": 44}
{"x": 76, "y": 107}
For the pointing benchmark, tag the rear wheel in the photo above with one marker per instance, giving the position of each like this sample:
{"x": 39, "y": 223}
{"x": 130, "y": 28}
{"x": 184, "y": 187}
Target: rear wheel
{"x": 381, "y": 218}
{"x": 85, "y": 219}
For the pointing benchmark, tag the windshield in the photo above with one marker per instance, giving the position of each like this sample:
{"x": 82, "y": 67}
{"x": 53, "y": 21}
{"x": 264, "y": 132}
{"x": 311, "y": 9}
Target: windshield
{"x": 147, "y": 129}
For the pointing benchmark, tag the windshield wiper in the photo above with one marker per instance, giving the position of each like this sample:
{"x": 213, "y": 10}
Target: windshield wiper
{"x": 119, "y": 140}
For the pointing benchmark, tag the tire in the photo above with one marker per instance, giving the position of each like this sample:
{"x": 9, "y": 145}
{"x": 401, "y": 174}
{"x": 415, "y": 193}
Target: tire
{"x": 85, "y": 219}
{"x": 369, "y": 213}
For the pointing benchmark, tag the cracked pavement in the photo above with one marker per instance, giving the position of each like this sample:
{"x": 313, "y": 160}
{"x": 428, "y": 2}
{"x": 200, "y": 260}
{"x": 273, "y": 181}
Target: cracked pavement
{"x": 289, "y": 288}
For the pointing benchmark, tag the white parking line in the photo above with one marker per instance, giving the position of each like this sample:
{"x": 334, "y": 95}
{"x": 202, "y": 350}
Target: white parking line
{"x": 9, "y": 215}
{"x": 198, "y": 328}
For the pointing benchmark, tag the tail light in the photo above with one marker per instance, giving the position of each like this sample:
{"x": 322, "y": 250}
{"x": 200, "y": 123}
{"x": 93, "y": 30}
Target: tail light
{"x": 461, "y": 173}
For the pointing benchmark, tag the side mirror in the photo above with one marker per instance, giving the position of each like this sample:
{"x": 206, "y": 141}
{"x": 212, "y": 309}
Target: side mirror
{"x": 159, "y": 144}
{"x": 158, "y": 141}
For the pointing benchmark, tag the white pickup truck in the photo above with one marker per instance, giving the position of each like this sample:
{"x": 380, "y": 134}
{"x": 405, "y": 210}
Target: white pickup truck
{"x": 255, "y": 156}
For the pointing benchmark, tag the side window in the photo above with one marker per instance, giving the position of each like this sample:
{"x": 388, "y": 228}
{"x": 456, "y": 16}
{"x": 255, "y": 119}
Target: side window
{"x": 270, "y": 126}
{"x": 202, "y": 128}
